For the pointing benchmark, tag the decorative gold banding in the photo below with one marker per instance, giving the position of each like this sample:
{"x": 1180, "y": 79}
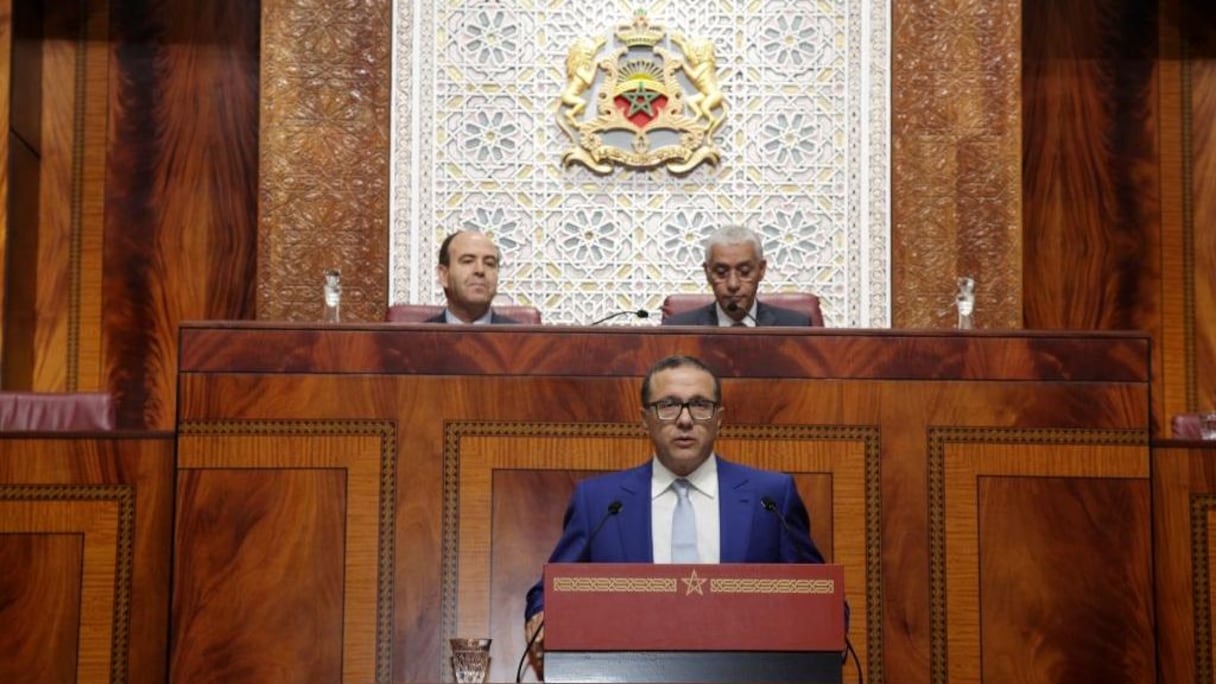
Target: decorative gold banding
{"x": 739, "y": 585}
{"x": 616, "y": 585}
{"x": 1201, "y": 506}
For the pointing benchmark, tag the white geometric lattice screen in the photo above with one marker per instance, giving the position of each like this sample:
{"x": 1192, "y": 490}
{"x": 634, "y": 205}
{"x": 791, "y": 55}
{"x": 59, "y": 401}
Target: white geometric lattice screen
{"x": 804, "y": 155}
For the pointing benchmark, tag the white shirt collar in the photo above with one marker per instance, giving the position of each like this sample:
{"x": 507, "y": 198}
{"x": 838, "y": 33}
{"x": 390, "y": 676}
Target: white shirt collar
{"x": 486, "y": 318}
{"x": 704, "y": 479}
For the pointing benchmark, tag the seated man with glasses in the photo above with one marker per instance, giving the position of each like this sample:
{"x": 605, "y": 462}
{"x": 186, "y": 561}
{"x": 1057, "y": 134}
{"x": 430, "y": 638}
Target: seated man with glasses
{"x": 685, "y": 504}
{"x": 734, "y": 266}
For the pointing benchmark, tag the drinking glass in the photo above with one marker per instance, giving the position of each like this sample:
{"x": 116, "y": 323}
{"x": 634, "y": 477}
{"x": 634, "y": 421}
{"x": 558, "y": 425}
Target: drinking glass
{"x": 470, "y": 659}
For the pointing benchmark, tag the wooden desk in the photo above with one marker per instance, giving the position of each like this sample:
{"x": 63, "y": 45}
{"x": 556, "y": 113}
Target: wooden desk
{"x": 349, "y": 497}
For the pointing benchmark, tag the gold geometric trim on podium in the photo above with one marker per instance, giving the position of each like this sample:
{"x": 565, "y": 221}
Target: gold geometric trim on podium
{"x": 867, "y": 436}
{"x": 938, "y": 439}
{"x": 736, "y": 585}
{"x": 1202, "y": 506}
{"x": 622, "y": 585}
{"x": 124, "y": 560}
{"x": 387, "y": 505}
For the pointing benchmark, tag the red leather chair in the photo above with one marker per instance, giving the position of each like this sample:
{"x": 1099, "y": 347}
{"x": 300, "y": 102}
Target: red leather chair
{"x": 417, "y": 313}
{"x": 803, "y": 302}
{"x": 45, "y": 411}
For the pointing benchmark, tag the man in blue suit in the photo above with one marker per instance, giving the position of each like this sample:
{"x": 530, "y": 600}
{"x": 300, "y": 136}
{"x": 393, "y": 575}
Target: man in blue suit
{"x": 631, "y": 516}
{"x": 468, "y": 272}
{"x": 734, "y": 266}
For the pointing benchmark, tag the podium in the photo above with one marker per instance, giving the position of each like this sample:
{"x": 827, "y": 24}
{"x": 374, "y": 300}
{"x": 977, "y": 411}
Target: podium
{"x": 636, "y": 622}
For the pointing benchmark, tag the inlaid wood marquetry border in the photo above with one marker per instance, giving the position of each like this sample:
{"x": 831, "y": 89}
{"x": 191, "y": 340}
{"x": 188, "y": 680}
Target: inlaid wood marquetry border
{"x": 386, "y": 431}
{"x": 123, "y": 498}
{"x": 943, "y": 484}
{"x": 867, "y": 482}
{"x": 86, "y": 194}
{"x": 1202, "y": 508}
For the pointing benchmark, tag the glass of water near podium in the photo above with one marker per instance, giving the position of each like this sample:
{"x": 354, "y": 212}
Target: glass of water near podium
{"x": 1207, "y": 425}
{"x": 470, "y": 659}
{"x": 332, "y": 291}
{"x": 964, "y": 300}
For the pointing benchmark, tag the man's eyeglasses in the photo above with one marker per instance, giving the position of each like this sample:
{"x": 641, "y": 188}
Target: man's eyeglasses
{"x": 670, "y": 409}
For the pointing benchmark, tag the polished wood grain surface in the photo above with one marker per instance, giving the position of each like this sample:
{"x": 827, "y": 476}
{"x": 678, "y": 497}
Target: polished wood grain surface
{"x": 183, "y": 105}
{"x": 1184, "y": 500}
{"x": 1199, "y": 262}
{"x": 565, "y": 351}
{"x": 6, "y": 83}
{"x": 40, "y": 622}
{"x": 84, "y": 595}
{"x": 491, "y": 428}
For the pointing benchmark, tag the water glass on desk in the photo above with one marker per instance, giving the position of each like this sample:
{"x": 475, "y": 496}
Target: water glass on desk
{"x": 470, "y": 659}
{"x": 1207, "y": 425}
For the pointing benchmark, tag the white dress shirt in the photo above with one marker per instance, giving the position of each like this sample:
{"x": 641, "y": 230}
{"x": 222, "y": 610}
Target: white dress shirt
{"x": 704, "y": 497}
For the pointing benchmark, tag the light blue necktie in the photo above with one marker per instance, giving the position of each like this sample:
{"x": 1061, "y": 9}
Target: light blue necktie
{"x": 683, "y": 526}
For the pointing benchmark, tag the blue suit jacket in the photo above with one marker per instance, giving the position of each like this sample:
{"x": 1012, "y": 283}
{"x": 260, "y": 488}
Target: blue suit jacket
{"x": 749, "y": 533}
{"x": 765, "y": 315}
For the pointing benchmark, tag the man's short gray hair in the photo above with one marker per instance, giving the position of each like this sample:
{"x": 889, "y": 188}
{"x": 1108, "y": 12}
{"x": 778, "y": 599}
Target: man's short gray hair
{"x": 734, "y": 235}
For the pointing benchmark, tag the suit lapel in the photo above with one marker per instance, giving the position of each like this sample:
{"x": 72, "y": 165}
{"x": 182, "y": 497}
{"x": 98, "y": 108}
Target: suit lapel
{"x": 736, "y": 506}
{"x": 635, "y": 529}
{"x": 764, "y": 315}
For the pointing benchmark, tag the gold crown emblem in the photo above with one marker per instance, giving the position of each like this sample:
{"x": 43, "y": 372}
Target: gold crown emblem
{"x": 640, "y": 33}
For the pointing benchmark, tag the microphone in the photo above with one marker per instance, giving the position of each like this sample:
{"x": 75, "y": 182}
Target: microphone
{"x": 640, "y": 313}
{"x": 613, "y": 509}
{"x": 732, "y": 308}
{"x": 771, "y": 506}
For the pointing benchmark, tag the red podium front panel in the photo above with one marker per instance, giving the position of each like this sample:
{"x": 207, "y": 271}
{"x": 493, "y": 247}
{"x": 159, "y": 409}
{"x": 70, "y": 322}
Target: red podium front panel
{"x": 727, "y": 607}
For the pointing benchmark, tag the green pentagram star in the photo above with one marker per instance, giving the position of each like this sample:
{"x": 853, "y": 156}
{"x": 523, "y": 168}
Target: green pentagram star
{"x": 640, "y": 100}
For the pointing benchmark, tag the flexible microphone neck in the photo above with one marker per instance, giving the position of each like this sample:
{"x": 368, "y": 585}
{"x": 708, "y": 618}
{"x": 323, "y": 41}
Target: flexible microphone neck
{"x": 640, "y": 313}
{"x": 613, "y": 509}
{"x": 771, "y": 506}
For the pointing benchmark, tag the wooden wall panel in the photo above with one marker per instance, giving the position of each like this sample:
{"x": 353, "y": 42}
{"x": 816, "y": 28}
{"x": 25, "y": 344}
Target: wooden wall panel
{"x": 95, "y": 511}
{"x": 49, "y": 276}
{"x": 487, "y": 420}
{"x": 316, "y": 533}
{"x": 1013, "y": 507}
{"x": 6, "y": 84}
{"x": 299, "y": 577}
{"x": 181, "y": 188}
{"x": 40, "y": 586}
{"x": 1092, "y": 174}
{"x": 955, "y": 161}
{"x": 1199, "y": 261}
{"x": 1184, "y": 499}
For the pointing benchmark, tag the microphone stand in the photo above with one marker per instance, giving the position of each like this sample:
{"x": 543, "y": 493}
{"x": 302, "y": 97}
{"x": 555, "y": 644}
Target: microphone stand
{"x": 640, "y": 313}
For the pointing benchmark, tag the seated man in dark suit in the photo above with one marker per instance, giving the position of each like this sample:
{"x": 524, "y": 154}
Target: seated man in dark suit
{"x": 734, "y": 266}
{"x": 468, "y": 272}
{"x": 685, "y": 504}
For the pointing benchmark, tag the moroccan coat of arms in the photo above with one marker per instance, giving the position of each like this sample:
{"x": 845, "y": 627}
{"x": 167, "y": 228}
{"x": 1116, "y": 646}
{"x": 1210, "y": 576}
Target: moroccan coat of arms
{"x": 652, "y": 106}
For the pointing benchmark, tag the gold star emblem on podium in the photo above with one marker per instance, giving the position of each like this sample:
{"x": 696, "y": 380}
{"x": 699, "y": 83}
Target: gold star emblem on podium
{"x": 693, "y": 583}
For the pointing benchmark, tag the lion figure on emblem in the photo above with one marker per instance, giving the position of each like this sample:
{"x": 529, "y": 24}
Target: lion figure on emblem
{"x": 701, "y": 66}
{"x": 580, "y": 72}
